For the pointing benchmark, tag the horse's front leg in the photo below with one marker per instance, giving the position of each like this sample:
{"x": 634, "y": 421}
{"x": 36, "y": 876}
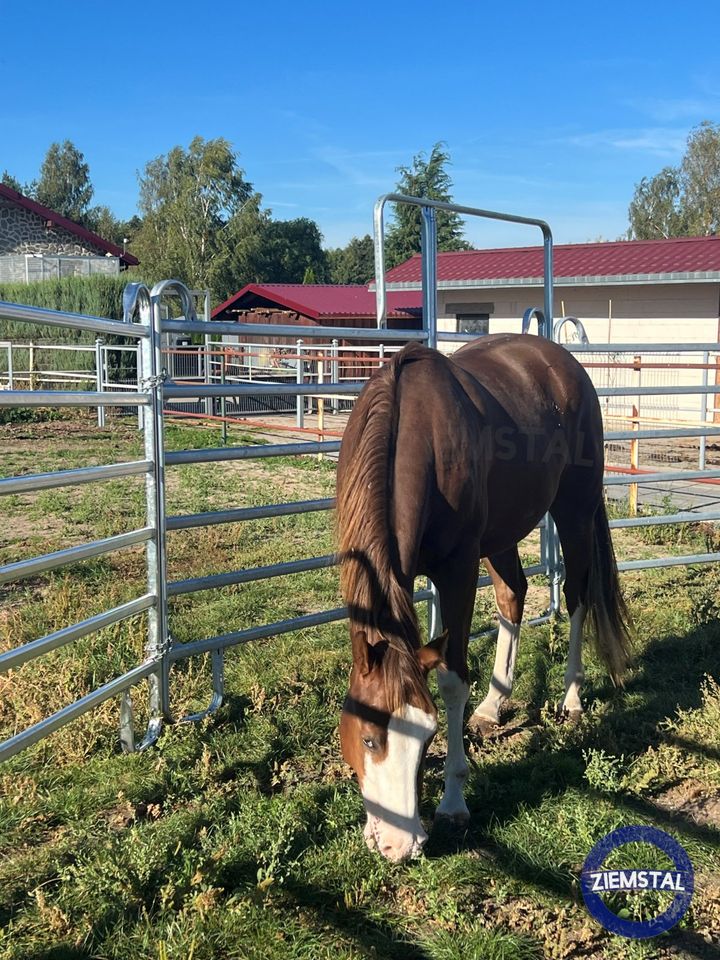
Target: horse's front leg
{"x": 454, "y": 691}
{"x": 457, "y": 586}
{"x": 510, "y": 585}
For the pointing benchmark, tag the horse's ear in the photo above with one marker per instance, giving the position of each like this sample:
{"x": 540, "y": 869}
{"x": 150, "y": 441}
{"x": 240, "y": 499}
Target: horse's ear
{"x": 432, "y": 655}
{"x": 361, "y": 651}
{"x": 366, "y": 655}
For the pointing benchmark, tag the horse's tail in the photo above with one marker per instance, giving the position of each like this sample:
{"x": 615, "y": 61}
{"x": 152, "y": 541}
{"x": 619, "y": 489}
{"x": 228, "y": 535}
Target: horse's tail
{"x": 609, "y": 620}
{"x": 364, "y": 489}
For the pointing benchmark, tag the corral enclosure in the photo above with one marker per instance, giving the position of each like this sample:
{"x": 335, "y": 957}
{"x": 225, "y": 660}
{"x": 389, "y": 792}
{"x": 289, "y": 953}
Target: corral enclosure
{"x": 240, "y": 837}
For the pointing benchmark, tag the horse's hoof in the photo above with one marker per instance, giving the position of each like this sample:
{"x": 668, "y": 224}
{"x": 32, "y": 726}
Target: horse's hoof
{"x": 481, "y": 726}
{"x": 455, "y": 818}
{"x": 572, "y": 717}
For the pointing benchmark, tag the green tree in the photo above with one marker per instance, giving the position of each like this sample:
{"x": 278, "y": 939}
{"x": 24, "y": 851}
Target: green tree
{"x": 656, "y": 210}
{"x": 9, "y": 180}
{"x": 102, "y": 221}
{"x": 188, "y": 200}
{"x": 64, "y": 183}
{"x": 684, "y": 200}
{"x": 259, "y": 249}
{"x": 354, "y": 263}
{"x": 427, "y": 177}
{"x": 291, "y": 248}
{"x": 700, "y": 172}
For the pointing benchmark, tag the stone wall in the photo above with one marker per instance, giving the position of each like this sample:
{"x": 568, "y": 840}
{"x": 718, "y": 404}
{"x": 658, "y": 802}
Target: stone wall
{"x": 22, "y": 231}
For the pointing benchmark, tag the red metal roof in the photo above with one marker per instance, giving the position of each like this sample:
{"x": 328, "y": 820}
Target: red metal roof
{"x": 81, "y": 232}
{"x": 321, "y": 300}
{"x": 621, "y": 260}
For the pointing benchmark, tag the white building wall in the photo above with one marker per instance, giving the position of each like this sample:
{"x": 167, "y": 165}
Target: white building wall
{"x": 641, "y": 313}
{"x": 638, "y": 313}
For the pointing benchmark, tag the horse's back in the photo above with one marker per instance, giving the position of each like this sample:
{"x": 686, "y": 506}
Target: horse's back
{"x": 516, "y": 365}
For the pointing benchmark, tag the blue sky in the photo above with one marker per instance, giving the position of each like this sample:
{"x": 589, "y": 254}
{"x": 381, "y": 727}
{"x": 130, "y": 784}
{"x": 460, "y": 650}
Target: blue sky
{"x": 552, "y": 110}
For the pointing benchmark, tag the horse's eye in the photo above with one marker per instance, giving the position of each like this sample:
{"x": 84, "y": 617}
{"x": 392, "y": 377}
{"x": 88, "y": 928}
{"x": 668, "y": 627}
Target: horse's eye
{"x": 369, "y": 743}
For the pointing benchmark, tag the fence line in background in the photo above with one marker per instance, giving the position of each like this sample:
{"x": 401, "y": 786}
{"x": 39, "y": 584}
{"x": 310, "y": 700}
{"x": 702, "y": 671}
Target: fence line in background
{"x": 154, "y": 392}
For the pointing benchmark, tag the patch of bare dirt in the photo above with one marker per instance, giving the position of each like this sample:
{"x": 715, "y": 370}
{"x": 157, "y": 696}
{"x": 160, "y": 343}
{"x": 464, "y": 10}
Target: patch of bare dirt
{"x": 692, "y": 800}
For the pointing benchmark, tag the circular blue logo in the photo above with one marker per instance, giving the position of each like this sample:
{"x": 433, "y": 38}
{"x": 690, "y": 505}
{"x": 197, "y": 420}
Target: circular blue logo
{"x": 594, "y": 881}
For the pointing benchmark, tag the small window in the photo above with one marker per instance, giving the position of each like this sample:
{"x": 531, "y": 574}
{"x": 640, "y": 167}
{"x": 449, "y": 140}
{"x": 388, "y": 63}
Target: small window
{"x": 473, "y": 323}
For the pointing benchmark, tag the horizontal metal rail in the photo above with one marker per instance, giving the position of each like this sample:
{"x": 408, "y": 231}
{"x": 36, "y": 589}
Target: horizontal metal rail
{"x": 220, "y": 454}
{"x": 655, "y": 391}
{"x": 28, "y": 568}
{"x": 685, "y": 516}
{"x": 661, "y": 477}
{"x": 182, "y": 651}
{"x": 67, "y": 398}
{"x": 36, "y": 648}
{"x": 262, "y": 389}
{"x": 251, "y": 575}
{"x": 76, "y": 321}
{"x": 228, "y": 328}
{"x": 54, "y": 347}
{"x": 636, "y": 348}
{"x": 185, "y": 522}
{"x": 661, "y": 433}
{"x": 626, "y": 565}
{"x": 40, "y": 730}
{"x": 66, "y": 478}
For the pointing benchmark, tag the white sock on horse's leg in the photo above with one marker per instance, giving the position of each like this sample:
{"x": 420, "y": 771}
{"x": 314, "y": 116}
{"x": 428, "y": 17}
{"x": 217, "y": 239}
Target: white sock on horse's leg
{"x": 454, "y": 692}
{"x": 503, "y": 671}
{"x": 574, "y": 674}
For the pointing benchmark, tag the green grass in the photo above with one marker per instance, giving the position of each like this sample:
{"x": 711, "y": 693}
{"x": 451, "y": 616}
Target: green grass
{"x": 240, "y": 837}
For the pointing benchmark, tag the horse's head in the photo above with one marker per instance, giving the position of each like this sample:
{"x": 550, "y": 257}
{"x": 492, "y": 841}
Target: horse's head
{"x": 387, "y": 722}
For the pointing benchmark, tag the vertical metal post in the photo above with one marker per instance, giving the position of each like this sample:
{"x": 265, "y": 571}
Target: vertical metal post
{"x": 300, "y": 378}
{"x": 552, "y": 544}
{"x": 321, "y": 403}
{"x": 223, "y": 400}
{"x": 548, "y": 284}
{"x": 31, "y": 366}
{"x": 11, "y": 376}
{"x": 428, "y": 248}
{"x": 704, "y": 410}
{"x": 138, "y": 380}
{"x": 159, "y": 635}
{"x": 207, "y": 372}
{"x": 335, "y": 373}
{"x": 634, "y": 464}
{"x": 428, "y": 252}
{"x": 99, "y": 378}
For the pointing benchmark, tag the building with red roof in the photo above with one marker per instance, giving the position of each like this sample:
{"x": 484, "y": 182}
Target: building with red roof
{"x": 37, "y": 243}
{"x": 629, "y": 291}
{"x": 319, "y": 304}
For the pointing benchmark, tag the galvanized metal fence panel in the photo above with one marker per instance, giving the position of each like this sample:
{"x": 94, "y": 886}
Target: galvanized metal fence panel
{"x": 155, "y": 391}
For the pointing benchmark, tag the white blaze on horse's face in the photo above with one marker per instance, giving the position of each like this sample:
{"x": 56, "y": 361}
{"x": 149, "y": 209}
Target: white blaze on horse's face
{"x": 389, "y": 784}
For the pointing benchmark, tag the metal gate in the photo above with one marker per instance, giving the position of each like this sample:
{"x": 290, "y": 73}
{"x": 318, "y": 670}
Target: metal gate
{"x": 145, "y": 322}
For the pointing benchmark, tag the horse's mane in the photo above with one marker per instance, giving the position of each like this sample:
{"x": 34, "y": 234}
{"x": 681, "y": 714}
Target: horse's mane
{"x": 376, "y": 600}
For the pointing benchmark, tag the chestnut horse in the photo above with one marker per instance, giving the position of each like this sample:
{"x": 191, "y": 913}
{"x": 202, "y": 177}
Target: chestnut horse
{"x": 447, "y": 460}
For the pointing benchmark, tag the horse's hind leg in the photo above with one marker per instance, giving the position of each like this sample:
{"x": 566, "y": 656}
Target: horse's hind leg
{"x": 457, "y": 585}
{"x": 575, "y": 529}
{"x": 510, "y": 586}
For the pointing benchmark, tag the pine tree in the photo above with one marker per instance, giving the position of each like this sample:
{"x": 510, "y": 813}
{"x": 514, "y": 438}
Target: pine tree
{"x": 427, "y": 177}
